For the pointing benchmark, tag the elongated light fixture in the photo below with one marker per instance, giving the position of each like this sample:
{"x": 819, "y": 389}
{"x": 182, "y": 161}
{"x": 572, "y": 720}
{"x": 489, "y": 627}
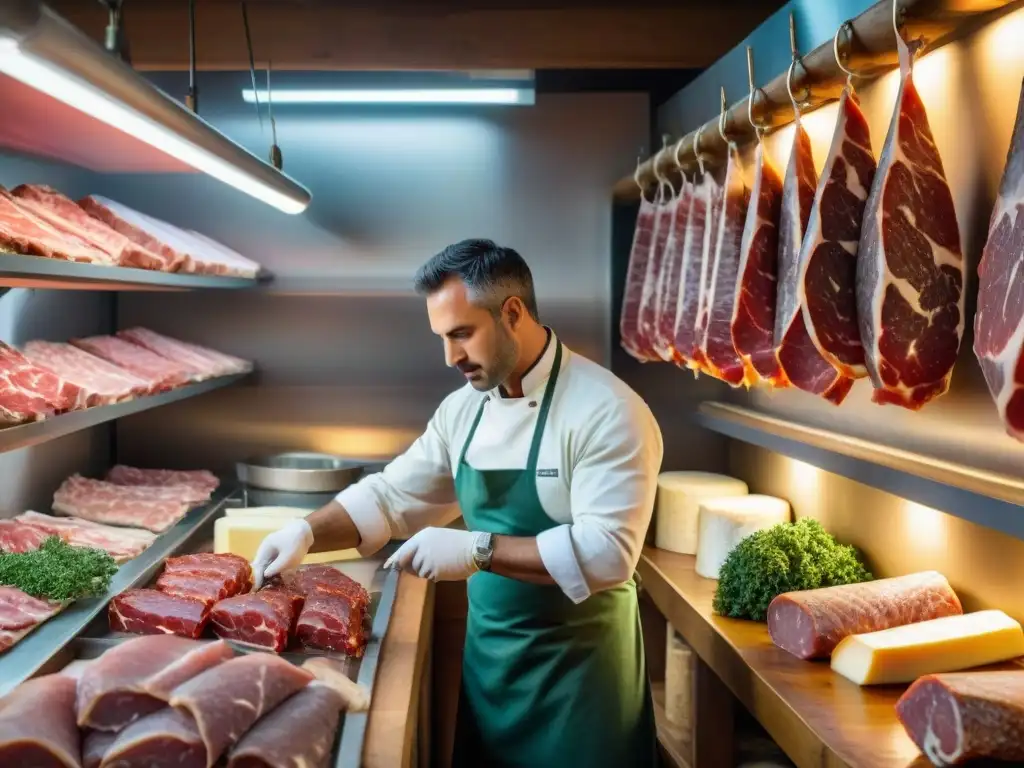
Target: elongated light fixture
{"x": 43, "y": 51}
{"x": 514, "y": 96}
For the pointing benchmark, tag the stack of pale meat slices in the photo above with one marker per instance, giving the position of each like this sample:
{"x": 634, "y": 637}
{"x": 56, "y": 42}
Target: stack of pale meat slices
{"x": 316, "y": 606}
{"x": 165, "y": 700}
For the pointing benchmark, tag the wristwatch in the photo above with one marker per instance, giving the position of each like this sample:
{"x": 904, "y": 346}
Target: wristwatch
{"x": 483, "y": 548}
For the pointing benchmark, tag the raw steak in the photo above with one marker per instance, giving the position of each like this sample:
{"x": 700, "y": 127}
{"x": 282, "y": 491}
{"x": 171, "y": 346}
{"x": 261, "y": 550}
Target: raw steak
{"x": 332, "y": 621}
{"x": 691, "y": 271}
{"x": 207, "y": 362}
{"x": 753, "y": 318}
{"x": 16, "y": 537}
{"x": 95, "y": 746}
{"x": 910, "y": 269}
{"x": 155, "y": 508}
{"x": 20, "y": 614}
{"x": 227, "y": 700}
{"x": 698, "y": 355}
{"x": 324, "y": 578}
{"x": 958, "y": 717}
{"x": 802, "y": 364}
{"x": 636, "y": 272}
{"x": 151, "y": 612}
{"x": 265, "y": 619}
{"x": 136, "y": 678}
{"x": 235, "y": 569}
{"x": 124, "y": 221}
{"x": 999, "y": 322}
{"x": 66, "y": 216}
{"x": 23, "y": 233}
{"x": 122, "y": 544}
{"x": 828, "y": 258}
{"x": 102, "y": 382}
{"x": 809, "y": 624}
{"x": 202, "y": 481}
{"x": 667, "y": 290}
{"x": 723, "y": 362}
{"x": 206, "y": 587}
{"x": 37, "y": 724}
{"x": 165, "y": 739}
{"x": 299, "y": 732}
{"x": 31, "y": 393}
{"x": 147, "y": 365}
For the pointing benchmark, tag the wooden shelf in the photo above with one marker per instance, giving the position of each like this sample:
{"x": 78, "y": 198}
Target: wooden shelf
{"x": 820, "y": 719}
{"x": 675, "y": 746}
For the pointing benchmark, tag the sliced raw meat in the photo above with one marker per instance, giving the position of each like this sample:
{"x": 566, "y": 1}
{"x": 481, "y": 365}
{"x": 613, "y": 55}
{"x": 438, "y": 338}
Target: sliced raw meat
{"x": 200, "y": 586}
{"x": 999, "y": 322}
{"x": 31, "y": 393}
{"x": 299, "y": 732}
{"x": 165, "y": 739}
{"x": 691, "y": 272}
{"x": 155, "y": 508}
{"x": 152, "y": 612}
{"x": 67, "y": 217}
{"x": 809, "y": 624}
{"x": 15, "y": 537}
{"x": 23, "y": 233}
{"x": 332, "y": 621}
{"x": 716, "y": 201}
{"x": 910, "y": 268}
{"x": 753, "y": 318}
{"x": 265, "y": 619}
{"x": 334, "y": 673}
{"x": 203, "y": 481}
{"x": 236, "y": 570}
{"x": 828, "y": 259}
{"x": 636, "y": 273}
{"x": 126, "y": 222}
{"x": 37, "y": 724}
{"x": 136, "y": 678}
{"x": 207, "y": 361}
{"x": 20, "y": 614}
{"x": 138, "y": 360}
{"x": 95, "y": 746}
{"x": 219, "y": 259}
{"x": 662, "y": 229}
{"x": 663, "y": 324}
{"x": 122, "y": 544}
{"x": 802, "y": 364}
{"x": 312, "y": 578}
{"x": 227, "y": 700}
{"x": 723, "y": 362}
{"x": 958, "y": 717}
{"x": 102, "y": 382}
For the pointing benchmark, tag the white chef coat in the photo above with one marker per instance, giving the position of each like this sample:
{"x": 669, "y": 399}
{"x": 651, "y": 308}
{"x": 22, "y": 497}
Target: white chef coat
{"x": 597, "y": 471}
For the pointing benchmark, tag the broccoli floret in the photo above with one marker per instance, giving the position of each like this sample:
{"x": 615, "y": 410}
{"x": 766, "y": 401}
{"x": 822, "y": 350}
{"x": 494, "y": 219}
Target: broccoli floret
{"x": 784, "y": 558}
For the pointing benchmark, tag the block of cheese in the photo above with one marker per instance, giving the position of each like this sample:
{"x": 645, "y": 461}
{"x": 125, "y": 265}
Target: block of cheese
{"x": 952, "y": 643}
{"x": 725, "y": 521}
{"x": 677, "y": 506}
{"x": 240, "y": 535}
{"x": 286, "y": 512}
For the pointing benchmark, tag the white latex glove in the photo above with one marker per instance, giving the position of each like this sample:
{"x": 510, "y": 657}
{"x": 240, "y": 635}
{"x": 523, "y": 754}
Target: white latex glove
{"x": 281, "y": 551}
{"x": 438, "y": 554}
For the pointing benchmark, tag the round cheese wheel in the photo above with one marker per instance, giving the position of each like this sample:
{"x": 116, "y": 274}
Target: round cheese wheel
{"x": 724, "y": 522}
{"x": 677, "y": 506}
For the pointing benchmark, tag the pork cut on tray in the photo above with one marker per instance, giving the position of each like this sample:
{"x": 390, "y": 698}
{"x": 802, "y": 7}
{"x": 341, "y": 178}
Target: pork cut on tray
{"x": 667, "y": 290}
{"x": 122, "y": 544}
{"x": 910, "y": 269}
{"x": 21, "y": 232}
{"x": 111, "y": 214}
{"x": 20, "y": 614}
{"x": 165, "y": 374}
{"x": 155, "y": 508}
{"x": 636, "y": 273}
{"x": 152, "y": 612}
{"x": 30, "y": 393}
{"x": 102, "y": 382}
{"x": 37, "y": 724}
{"x": 17, "y": 537}
{"x": 691, "y": 271}
{"x": 202, "y": 481}
{"x": 999, "y": 322}
{"x": 207, "y": 362}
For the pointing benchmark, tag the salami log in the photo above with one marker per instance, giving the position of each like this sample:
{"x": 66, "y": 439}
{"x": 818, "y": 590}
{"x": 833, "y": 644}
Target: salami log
{"x": 809, "y": 624}
{"x": 962, "y": 716}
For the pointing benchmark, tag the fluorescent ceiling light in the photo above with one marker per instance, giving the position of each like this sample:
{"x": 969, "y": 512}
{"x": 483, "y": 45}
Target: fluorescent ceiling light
{"x": 394, "y": 96}
{"x": 55, "y": 59}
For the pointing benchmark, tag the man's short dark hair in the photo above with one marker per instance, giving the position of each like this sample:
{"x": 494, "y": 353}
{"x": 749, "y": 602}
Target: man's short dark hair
{"x": 490, "y": 272}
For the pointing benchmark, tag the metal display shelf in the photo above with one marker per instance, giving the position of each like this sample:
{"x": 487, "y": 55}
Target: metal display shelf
{"x": 18, "y": 271}
{"x": 37, "y": 648}
{"x": 25, "y": 435}
{"x": 987, "y": 498}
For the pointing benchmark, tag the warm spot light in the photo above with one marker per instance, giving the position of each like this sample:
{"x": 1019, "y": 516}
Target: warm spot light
{"x": 923, "y": 528}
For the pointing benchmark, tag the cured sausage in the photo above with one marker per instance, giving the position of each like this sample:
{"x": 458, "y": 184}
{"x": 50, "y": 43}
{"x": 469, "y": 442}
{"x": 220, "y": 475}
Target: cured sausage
{"x": 809, "y": 624}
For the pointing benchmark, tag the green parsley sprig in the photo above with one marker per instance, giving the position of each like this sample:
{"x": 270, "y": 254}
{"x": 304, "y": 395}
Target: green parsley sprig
{"x": 58, "y": 571}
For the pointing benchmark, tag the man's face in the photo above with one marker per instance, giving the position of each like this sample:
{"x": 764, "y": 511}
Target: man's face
{"x": 483, "y": 348}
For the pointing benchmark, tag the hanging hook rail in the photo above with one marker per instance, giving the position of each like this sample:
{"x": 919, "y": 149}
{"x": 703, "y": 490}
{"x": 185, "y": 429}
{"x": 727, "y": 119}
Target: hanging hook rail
{"x": 756, "y": 100}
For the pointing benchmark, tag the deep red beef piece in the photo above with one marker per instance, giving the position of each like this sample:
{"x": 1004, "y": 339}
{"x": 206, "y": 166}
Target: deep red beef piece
{"x": 266, "y": 619}
{"x": 152, "y": 612}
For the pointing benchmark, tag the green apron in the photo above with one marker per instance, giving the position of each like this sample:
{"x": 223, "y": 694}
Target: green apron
{"x": 545, "y": 681}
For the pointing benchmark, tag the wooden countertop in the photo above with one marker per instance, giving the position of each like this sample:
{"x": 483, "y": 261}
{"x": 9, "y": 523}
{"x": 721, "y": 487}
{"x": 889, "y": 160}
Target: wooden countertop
{"x": 818, "y": 717}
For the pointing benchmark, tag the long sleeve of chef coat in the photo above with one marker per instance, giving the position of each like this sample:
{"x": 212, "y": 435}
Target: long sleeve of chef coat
{"x": 417, "y": 486}
{"x": 614, "y": 482}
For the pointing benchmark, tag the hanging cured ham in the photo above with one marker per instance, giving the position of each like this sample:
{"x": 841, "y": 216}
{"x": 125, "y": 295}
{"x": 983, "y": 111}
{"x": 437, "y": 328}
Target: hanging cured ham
{"x": 707, "y": 201}
{"x": 999, "y": 322}
{"x": 753, "y": 319}
{"x": 910, "y": 270}
{"x": 663, "y": 223}
{"x": 667, "y": 294}
{"x": 828, "y": 260}
{"x": 802, "y": 364}
{"x": 636, "y": 272}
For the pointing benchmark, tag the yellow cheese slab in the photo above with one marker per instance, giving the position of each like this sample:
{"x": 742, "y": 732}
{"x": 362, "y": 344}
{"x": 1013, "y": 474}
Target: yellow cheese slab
{"x": 242, "y": 536}
{"x": 285, "y": 512}
{"x": 952, "y": 643}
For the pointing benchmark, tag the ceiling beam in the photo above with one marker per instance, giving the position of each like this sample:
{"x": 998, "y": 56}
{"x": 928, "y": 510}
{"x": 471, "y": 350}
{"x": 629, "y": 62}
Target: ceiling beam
{"x": 570, "y": 34}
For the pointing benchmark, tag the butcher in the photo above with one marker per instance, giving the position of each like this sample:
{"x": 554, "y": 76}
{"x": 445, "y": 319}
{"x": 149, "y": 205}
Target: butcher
{"x": 552, "y": 463}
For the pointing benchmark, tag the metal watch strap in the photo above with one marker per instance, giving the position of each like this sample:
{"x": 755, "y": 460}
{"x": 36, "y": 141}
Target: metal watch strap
{"x": 483, "y": 548}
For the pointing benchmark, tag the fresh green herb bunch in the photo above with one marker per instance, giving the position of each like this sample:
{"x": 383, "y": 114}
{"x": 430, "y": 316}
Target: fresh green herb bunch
{"x": 58, "y": 571}
{"x": 784, "y": 558}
